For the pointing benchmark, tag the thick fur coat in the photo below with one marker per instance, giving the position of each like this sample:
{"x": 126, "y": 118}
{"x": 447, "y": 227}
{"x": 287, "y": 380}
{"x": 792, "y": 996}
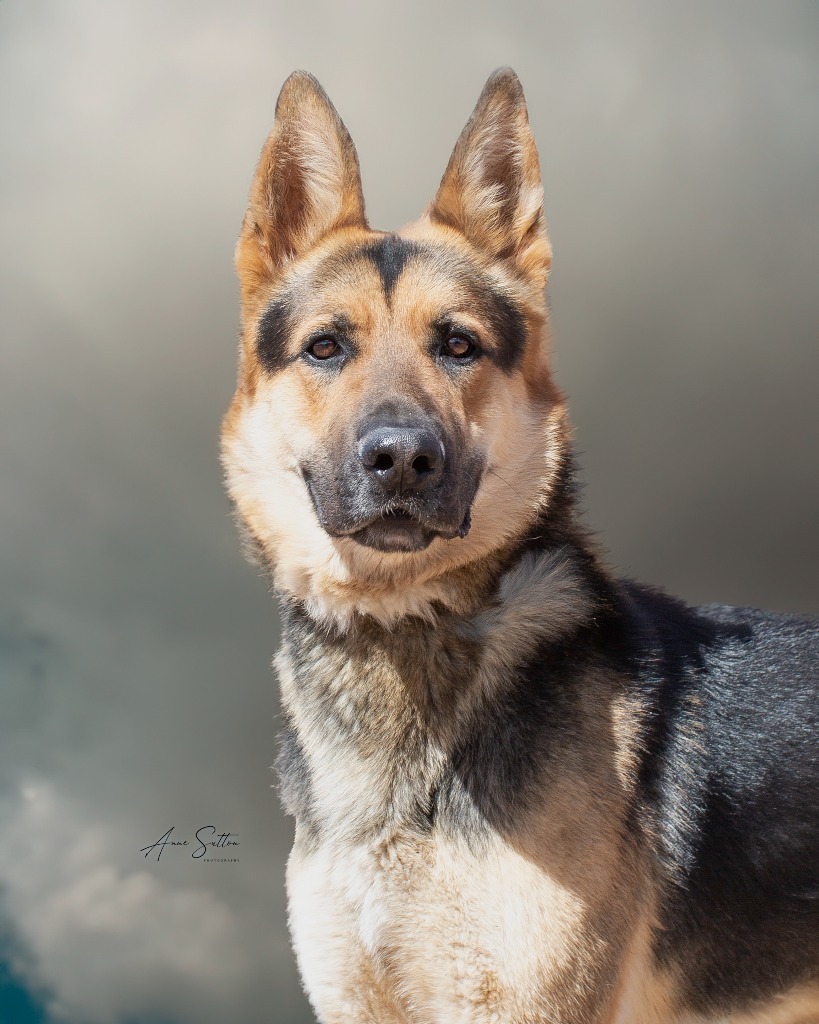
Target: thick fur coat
{"x": 524, "y": 791}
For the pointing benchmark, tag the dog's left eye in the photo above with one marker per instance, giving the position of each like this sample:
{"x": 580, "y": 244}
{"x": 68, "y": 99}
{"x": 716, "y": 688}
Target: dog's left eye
{"x": 459, "y": 346}
{"x": 324, "y": 348}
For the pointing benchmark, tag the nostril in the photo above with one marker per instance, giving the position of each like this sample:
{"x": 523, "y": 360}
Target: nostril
{"x": 383, "y": 462}
{"x": 422, "y": 465}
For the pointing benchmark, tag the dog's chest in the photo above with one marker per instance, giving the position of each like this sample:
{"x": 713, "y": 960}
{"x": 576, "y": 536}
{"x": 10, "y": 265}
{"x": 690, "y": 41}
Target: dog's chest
{"x": 423, "y": 929}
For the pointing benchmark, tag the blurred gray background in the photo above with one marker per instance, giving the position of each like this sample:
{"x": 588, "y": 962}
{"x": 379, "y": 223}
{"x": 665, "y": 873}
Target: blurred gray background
{"x": 680, "y": 150}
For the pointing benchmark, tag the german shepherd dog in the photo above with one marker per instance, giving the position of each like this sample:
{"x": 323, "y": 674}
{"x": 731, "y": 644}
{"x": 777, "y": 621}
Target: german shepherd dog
{"x": 524, "y": 790}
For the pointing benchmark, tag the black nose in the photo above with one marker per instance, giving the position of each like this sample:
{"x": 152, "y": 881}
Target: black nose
{"x": 402, "y": 458}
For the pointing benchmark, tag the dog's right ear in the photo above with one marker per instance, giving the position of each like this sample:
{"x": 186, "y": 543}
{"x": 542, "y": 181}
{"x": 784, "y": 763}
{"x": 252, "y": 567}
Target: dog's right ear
{"x": 307, "y": 183}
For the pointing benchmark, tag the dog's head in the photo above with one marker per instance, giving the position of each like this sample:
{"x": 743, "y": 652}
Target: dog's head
{"x": 395, "y": 418}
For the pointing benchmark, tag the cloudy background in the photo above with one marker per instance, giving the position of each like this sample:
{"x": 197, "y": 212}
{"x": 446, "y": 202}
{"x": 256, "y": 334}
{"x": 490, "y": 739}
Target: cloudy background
{"x": 680, "y": 149}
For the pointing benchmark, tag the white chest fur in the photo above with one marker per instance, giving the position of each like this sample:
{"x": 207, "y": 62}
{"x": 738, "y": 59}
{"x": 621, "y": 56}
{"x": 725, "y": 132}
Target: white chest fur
{"x": 427, "y": 930}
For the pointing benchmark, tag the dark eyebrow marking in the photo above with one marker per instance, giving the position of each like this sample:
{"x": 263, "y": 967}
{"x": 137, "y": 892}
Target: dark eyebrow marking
{"x": 389, "y": 256}
{"x": 339, "y": 324}
{"x": 274, "y": 331}
{"x": 506, "y": 322}
{"x": 271, "y": 335}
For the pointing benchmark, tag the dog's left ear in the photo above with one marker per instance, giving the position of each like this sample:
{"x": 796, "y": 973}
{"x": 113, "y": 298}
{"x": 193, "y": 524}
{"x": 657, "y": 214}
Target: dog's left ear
{"x": 491, "y": 191}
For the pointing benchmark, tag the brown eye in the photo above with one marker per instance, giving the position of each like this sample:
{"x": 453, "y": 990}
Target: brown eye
{"x": 459, "y": 347}
{"x": 323, "y": 348}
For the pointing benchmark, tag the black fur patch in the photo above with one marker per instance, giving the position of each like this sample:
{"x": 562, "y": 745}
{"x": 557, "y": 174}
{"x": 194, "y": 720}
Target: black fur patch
{"x": 389, "y": 256}
{"x": 506, "y": 323}
{"x": 500, "y": 768}
{"x": 272, "y": 336}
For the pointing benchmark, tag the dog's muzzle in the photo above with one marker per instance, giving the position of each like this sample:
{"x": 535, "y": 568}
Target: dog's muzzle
{"x": 402, "y": 482}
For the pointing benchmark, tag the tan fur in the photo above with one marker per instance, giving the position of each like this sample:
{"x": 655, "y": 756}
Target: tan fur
{"x": 800, "y": 1007}
{"x": 545, "y": 919}
{"x": 274, "y": 422}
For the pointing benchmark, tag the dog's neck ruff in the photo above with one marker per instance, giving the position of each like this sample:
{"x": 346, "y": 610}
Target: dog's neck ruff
{"x": 374, "y": 714}
{"x": 540, "y": 597}
{"x": 346, "y": 591}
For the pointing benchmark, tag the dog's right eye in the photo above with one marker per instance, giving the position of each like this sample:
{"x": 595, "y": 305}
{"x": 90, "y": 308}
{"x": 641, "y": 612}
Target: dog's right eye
{"x": 323, "y": 348}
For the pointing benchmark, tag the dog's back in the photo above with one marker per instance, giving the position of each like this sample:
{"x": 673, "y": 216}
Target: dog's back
{"x": 731, "y": 777}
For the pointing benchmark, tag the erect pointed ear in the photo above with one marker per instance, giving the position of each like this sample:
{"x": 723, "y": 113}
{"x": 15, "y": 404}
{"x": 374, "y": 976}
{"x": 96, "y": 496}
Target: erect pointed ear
{"x": 491, "y": 191}
{"x": 307, "y": 182}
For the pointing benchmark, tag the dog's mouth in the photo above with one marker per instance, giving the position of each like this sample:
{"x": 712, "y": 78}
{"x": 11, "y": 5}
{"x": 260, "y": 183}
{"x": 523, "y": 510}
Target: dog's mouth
{"x": 402, "y": 529}
{"x": 395, "y": 530}
{"x": 399, "y": 524}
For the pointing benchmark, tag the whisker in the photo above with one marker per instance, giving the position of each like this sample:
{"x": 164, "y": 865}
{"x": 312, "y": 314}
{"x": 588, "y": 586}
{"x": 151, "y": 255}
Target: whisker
{"x": 514, "y": 490}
